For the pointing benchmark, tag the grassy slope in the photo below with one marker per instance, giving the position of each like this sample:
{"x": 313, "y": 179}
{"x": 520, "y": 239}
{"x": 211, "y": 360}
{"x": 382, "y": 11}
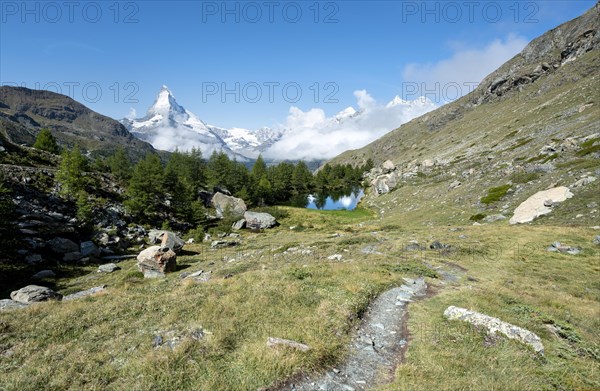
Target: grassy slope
{"x": 105, "y": 342}
{"x": 499, "y": 141}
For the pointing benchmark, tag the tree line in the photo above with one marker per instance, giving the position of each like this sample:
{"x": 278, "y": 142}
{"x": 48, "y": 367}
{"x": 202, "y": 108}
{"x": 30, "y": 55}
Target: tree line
{"x": 153, "y": 185}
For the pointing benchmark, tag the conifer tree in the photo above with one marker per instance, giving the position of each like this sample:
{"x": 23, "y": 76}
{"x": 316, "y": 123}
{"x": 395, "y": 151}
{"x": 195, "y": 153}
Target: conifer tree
{"x": 46, "y": 142}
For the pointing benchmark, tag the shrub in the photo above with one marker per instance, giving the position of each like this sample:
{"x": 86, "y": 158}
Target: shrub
{"x": 495, "y": 194}
{"x": 477, "y": 217}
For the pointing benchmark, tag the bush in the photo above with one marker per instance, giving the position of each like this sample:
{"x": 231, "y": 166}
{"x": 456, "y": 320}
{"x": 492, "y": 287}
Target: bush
{"x": 524, "y": 177}
{"x": 477, "y": 217}
{"x": 495, "y": 194}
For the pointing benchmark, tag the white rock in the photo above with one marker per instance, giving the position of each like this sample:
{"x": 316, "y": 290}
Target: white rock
{"x": 534, "y": 206}
{"x": 495, "y": 325}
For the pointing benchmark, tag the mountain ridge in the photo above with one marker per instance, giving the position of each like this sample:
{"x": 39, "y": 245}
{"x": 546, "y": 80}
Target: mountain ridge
{"x": 24, "y": 112}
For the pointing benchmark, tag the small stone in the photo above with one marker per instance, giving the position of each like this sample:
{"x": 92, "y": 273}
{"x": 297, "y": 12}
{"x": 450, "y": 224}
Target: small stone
{"x": 335, "y": 257}
{"x": 33, "y": 259}
{"x": 44, "y": 274}
{"x": 108, "y": 268}
{"x": 275, "y": 342}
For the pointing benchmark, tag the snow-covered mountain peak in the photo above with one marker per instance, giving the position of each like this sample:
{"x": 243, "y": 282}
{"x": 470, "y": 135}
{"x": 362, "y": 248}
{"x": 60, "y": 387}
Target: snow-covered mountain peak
{"x": 165, "y": 103}
{"x": 348, "y": 112}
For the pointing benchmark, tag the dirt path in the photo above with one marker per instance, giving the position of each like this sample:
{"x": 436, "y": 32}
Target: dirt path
{"x": 377, "y": 347}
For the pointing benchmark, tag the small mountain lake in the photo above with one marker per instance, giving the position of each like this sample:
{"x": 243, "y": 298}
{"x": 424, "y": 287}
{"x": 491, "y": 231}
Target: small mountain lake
{"x": 342, "y": 200}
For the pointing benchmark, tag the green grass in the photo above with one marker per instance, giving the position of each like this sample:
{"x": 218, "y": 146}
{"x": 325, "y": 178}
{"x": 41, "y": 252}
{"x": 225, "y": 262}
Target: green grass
{"x": 524, "y": 177}
{"x": 495, "y": 194}
{"x": 106, "y": 341}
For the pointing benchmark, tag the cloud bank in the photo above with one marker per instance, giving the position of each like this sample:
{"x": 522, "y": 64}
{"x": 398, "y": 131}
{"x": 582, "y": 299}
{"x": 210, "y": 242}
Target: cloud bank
{"x": 465, "y": 68}
{"x": 311, "y": 135}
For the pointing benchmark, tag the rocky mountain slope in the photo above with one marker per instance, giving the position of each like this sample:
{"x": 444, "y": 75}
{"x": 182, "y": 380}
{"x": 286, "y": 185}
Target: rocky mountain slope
{"x": 24, "y": 112}
{"x": 532, "y": 124}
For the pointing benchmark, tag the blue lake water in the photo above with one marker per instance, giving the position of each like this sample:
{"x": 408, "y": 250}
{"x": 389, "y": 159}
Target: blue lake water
{"x": 347, "y": 200}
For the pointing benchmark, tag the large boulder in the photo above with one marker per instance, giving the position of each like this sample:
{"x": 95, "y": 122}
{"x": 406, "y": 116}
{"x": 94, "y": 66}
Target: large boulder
{"x": 539, "y": 204}
{"x": 34, "y": 293}
{"x": 388, "y": 166}
{"x": 255, "y": 220}
{"x": 226, "y": 204}
{"x": 63, "y": 245}
{"x": 166, "y": 239}
{"x": 89, "y": 249}
{"x": 155, "y": 261}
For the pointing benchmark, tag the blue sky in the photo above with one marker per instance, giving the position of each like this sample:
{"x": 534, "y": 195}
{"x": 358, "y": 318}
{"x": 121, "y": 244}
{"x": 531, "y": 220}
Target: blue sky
{"x": 115, "y": 56}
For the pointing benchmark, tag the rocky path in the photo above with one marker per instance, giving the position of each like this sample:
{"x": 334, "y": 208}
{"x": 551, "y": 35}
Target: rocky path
{"x": 377, "y": 347}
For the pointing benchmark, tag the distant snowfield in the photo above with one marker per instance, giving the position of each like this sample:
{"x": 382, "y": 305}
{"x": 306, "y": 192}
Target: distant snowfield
{"x": 309, "y": 135}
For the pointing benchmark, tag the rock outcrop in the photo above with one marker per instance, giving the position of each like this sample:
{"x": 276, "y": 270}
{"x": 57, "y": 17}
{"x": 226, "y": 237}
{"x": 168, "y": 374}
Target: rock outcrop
{"x": 495, "y": 325}
{"x": 539, "y": 204}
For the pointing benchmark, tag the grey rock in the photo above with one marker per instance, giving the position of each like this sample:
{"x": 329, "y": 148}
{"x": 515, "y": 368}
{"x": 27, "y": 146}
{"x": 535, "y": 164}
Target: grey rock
{"x": 108, "y": 268}
{"x": 44, "y": 274}
{"x": 454, "y": 185}
{"x": 370, "y": 250}
{"x": 156, "y": 261}
{"x": 596, "y": 240}
{"x": 584, "y": 181}
{"x": 33, "y": 259}
{"x": 239, "y": 224}
{"x": 255, "y": 220}
{"x": 63, "y": 245}
{"x": 172, "y": 241}
{"x": 223, "y": 243}
{"x": 494, "y": 218}
{"x": 495, "y": 325}
{"x": 436, "y": 245}
{"x": 7, "y": 304}
{"x": 34, "y": 293}
{"x": 72, "y": 256}
{"x": 227, "y": 204}
{"x": 89, "y": 249}
{"x": 166, "y": 239}
{"x": 199, "y": 276}
{"x": 388, "y": 166}
{"x": 88, "y": 292}
{"x": 276, "y": 342}
{"x": 561, "y": 248}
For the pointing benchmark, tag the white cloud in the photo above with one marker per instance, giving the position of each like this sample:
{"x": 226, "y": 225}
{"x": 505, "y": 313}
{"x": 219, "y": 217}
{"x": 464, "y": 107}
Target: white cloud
{"x": 465, "y": 68}
{"x": 364, "y": 100}
{"x": 310, "y": 135}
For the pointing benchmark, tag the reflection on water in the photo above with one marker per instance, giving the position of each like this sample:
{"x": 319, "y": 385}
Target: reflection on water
{"x": 343, "y": 200}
